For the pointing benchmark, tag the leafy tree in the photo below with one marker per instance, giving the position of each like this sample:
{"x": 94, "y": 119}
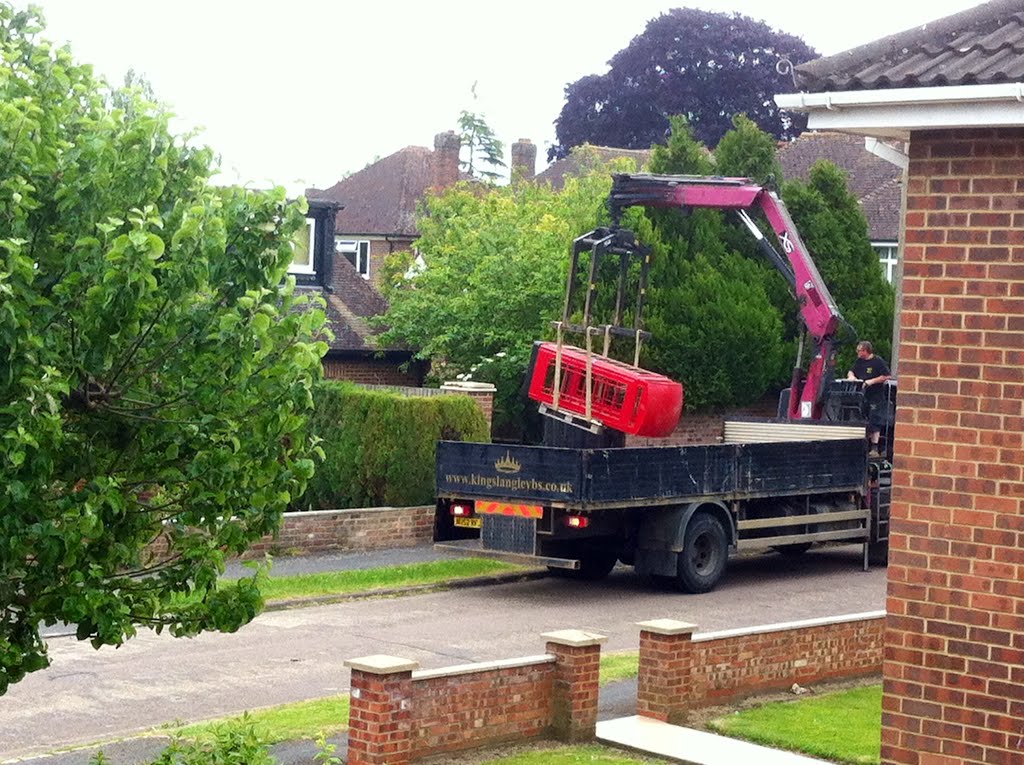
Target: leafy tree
{"x": 155, "y": 365}
{"x": 715, "y": 328}
{"x": 706, "y": 66}
{"x": 746, "y": 151}
{"x": 482, "y": 148}
{"x": 496, "y": 261}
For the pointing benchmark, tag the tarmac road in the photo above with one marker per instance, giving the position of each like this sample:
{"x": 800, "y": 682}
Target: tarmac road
{"x": 286, "y": 656}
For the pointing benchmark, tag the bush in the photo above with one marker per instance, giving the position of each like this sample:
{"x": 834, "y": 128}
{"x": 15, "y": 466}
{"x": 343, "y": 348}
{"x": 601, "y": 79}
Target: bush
{"x": 380, "y": 446}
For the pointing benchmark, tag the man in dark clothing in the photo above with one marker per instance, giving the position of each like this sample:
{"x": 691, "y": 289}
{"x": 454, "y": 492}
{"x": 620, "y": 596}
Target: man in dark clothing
{"x": 873, "y": 372}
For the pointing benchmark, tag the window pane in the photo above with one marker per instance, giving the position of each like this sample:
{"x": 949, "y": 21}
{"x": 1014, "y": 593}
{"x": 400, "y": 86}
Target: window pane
{"x": 302, "y": 248}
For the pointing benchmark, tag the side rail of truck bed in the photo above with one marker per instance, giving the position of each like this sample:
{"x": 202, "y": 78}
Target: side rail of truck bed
{"x": 590, "y": 479}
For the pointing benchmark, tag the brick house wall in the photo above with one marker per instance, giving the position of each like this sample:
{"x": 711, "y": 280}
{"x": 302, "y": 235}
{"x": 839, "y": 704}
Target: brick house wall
{"x": 954, "y": 661}
{"x": 371, "y": 371}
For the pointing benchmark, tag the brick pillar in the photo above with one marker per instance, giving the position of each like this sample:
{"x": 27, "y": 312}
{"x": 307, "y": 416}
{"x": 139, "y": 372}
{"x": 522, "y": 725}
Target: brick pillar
{"x": 664, "y": 683}
{"x": 524, "y": 160}
{"x": 577, "y": 665}
{"x": 481, "y": 393}
{"x": 379, "y": 729}
{"x": 446, "y": 159}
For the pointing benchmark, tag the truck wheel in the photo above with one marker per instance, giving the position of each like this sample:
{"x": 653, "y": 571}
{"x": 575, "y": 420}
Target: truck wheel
{"x": 597, "y": 565}
{"x": 705, "y": 552}
{"x": 594, "y": 565}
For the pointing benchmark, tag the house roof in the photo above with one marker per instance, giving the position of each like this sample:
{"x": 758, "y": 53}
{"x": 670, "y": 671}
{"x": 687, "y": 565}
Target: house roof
{"x": 979, "y": 46}
{"x": 578, "y": 159}
{"x": 873, "y": 181}
{"x": 350, "y": 304}
{"x": 381, "y": 198}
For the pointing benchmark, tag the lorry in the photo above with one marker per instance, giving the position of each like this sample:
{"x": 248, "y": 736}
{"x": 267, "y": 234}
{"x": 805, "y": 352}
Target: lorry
{"x": 583, "y": 500}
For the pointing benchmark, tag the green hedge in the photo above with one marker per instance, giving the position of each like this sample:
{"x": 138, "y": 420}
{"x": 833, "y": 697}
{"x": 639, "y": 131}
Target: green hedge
{"x": 380, "y": 446}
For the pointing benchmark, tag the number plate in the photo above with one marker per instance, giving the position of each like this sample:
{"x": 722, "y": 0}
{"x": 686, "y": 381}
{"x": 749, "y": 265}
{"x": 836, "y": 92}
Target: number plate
{"x": 468, "y": 523}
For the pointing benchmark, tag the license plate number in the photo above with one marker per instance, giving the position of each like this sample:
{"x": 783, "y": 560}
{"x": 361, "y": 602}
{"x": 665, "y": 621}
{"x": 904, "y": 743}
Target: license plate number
{"x": 468, "y": 523}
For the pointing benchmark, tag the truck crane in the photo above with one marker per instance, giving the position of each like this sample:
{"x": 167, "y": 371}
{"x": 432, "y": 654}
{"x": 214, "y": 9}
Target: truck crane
{"x": 584, "y": 501}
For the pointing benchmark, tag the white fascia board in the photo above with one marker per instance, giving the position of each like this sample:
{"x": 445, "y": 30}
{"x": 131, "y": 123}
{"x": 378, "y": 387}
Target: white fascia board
{"x": 895, "y": 113}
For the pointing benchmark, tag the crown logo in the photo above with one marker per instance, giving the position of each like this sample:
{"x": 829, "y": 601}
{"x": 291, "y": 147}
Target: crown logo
{"x": 507, "y": 464}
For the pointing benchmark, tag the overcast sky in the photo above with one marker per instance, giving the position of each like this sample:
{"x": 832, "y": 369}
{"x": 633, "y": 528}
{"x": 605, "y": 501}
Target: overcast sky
{"x": 302, "y": 91}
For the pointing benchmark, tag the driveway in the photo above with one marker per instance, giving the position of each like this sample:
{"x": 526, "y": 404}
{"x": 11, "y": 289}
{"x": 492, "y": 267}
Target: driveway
{"x": 292, "y": 655}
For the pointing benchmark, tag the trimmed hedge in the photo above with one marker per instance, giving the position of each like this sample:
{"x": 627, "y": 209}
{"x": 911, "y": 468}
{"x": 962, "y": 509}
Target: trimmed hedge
{"x": 380, "y": 446}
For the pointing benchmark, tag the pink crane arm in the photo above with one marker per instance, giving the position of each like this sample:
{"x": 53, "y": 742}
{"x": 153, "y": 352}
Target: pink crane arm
{"x": 818, "y": 310}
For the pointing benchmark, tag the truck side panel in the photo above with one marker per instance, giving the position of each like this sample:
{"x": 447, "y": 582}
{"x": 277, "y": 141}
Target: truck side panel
{"x": 657, "y": 473}
{"x": 798, "y": 467}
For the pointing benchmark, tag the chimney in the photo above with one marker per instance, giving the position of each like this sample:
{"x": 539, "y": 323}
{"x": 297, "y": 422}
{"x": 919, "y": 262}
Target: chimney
{"x": 446, "y": 159}
{"x": 524, "y": 160}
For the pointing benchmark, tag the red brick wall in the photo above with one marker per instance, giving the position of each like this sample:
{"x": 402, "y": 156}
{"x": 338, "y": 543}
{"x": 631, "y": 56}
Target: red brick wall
{"x": 733, "y": 666}
{"x": 338, "y": 530}
{"x": 681, "y": 671}
{"x": 458, "y": 712}
{"x": 706, "y": 428}
{"x": 954, "y": 661}
{"x": 371, "y": 372}
{"x": 399, "y": 715}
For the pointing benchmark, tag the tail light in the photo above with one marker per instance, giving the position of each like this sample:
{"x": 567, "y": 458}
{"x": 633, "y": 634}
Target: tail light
{"x": 461, "y": 509}
{"x": 577, "y": 521}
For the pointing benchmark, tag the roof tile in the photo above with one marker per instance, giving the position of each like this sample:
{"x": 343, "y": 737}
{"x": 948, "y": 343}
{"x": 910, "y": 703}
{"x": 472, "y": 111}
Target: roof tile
{"x": 979, "y": 46}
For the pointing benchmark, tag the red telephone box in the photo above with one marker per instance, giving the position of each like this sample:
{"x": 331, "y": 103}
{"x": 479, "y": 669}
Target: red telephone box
{"x": 622, "y": 397}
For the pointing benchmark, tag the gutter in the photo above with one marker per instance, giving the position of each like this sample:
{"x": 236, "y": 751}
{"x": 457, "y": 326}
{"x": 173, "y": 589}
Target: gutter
{"x": 895, "y": 113}
{"x": 954, "y": 94}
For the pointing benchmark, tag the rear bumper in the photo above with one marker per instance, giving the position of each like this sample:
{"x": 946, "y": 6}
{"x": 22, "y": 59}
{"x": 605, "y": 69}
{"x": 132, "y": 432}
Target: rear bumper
{"x": 474, "y": 549}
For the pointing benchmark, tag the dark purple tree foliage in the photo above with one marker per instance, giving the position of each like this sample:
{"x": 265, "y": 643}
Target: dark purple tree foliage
{"x": 702, "y": 65}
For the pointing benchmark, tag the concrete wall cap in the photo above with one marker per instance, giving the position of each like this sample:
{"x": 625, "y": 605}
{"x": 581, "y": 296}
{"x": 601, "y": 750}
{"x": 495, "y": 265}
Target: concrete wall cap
{"x": 484, "y": 666}
{"x": 667, "y": 627}
{"x": 574, "y": 638}
{"x": 381, "y": 664}
{"x": 465, "y": 386}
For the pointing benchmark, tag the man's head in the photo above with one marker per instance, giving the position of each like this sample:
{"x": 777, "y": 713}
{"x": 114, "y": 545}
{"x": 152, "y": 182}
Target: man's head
{"x": 864, "y": 349}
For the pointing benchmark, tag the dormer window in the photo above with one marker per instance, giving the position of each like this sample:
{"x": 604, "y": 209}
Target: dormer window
{"x": 303, "y": 249}
{"x": 357, "y": 252}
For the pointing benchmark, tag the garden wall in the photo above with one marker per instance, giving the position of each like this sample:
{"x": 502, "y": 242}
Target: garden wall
{"x": 371, "y": 528}
{"x": 398, "y": 714}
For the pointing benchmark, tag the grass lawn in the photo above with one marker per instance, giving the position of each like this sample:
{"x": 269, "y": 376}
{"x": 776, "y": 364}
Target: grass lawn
{"x": 304, "y": 720}
{"x": 844, "y": 726}
{"x": 619, "y": 666}
{"x": 364, "y": 580}
{"x": 574, "y": 755}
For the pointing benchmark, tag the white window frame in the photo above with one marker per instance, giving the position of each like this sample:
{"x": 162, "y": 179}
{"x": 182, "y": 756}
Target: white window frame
{"x": 358, "y": 247}
{"x": 310, "y": 268}
{"x": 888, "y": 257}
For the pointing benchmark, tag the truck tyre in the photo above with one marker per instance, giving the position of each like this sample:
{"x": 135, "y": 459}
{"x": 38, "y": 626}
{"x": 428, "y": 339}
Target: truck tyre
{"x": 705, "y": 552}
{"x": 595, "y": 564}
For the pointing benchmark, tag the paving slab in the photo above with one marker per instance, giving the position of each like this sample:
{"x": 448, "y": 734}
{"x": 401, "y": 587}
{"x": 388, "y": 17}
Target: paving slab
{"x": 694, "y": 747}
